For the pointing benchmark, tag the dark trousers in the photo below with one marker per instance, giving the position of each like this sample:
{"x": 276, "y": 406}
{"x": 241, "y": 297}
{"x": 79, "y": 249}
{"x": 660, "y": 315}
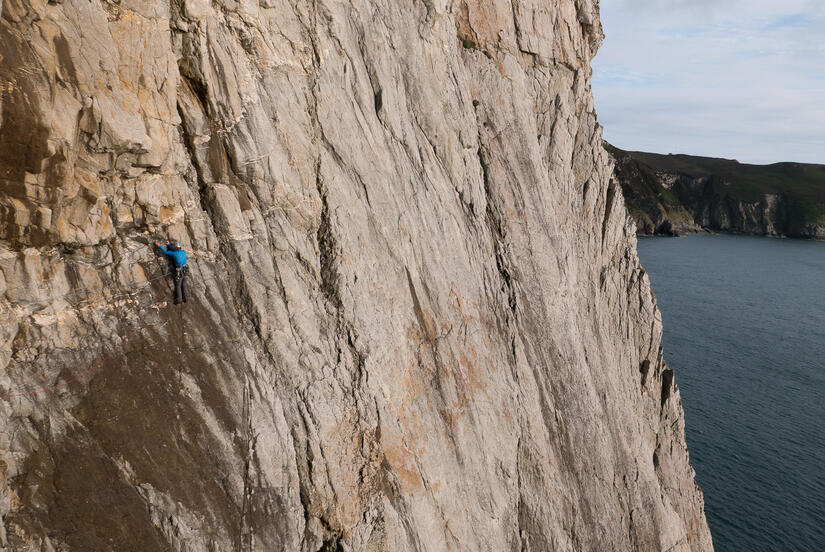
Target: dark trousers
{"x": 181, "y": 278}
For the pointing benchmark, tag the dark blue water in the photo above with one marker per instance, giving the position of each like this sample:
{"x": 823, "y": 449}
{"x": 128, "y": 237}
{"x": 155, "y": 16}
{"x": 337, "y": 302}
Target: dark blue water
{"x": 744, "y": 331}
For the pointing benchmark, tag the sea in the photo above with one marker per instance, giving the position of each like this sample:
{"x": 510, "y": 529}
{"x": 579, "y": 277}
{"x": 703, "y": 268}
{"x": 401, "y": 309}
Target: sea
{"x": 744, "y": 331}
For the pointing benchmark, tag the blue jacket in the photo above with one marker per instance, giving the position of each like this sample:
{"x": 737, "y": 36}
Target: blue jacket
{"x": 178, "y": 256}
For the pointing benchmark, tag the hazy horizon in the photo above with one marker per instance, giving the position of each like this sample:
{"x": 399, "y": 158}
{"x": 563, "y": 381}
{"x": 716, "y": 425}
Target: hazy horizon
{"x": 733, "y": 79}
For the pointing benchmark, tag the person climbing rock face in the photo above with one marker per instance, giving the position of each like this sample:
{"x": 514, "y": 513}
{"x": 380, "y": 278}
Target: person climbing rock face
{"x": 181, "y": 274}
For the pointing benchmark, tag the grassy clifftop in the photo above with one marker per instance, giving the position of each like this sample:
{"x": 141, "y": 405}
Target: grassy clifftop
{"x": 723, "y": 194}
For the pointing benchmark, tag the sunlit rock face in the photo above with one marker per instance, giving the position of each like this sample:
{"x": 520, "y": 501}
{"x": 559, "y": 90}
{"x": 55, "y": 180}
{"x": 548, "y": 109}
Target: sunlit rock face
{"x": 418, "y": 320}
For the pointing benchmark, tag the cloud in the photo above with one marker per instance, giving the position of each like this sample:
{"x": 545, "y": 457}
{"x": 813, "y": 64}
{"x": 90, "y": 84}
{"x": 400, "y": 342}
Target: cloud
{"x": 729, "y": 78}
{"x": 732, "y": 8}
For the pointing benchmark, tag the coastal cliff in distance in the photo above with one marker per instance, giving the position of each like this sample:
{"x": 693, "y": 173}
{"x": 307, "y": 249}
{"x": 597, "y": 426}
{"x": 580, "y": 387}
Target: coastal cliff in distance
{"x": 418, "y": 319}
{"x": 682, "y": 194}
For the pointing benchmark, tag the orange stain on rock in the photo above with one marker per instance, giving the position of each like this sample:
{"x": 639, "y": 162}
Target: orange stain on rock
{"x": 402, "y": 463}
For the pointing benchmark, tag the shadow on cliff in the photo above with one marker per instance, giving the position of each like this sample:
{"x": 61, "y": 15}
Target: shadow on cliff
{"x": 138, "y": 433}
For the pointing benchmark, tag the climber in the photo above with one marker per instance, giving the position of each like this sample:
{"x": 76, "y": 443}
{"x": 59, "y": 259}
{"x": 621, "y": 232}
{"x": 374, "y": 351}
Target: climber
{"x": 178, "y": 258}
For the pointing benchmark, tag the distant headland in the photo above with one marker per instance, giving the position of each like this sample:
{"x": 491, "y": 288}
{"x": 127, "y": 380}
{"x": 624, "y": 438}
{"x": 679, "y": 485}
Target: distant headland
{"x": 682, "y": 194}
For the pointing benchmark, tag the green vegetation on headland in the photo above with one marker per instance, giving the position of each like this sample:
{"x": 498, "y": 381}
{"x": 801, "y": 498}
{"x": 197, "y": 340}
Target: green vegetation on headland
{"x": 678, "y": 194}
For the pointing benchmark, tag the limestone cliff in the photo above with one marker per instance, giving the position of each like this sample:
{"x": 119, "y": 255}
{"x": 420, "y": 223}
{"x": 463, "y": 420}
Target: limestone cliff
{"x": 419, "y": 320}
{"x": 649, "y": 197}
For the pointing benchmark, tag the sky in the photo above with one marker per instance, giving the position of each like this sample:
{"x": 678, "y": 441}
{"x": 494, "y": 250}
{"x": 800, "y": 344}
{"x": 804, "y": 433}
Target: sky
{"x": 740, "y": 79}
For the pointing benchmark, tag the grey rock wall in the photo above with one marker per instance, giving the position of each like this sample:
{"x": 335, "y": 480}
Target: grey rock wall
{"x": 418, "y": 323}
{"x": 715, "y": 212}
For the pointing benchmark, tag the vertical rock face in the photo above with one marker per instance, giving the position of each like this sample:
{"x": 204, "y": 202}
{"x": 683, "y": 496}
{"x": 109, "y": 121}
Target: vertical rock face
{"x": 418, "y": 323}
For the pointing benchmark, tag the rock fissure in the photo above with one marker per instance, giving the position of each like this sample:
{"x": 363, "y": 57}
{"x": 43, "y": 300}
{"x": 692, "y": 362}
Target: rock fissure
{"x": 497, "y": 233}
